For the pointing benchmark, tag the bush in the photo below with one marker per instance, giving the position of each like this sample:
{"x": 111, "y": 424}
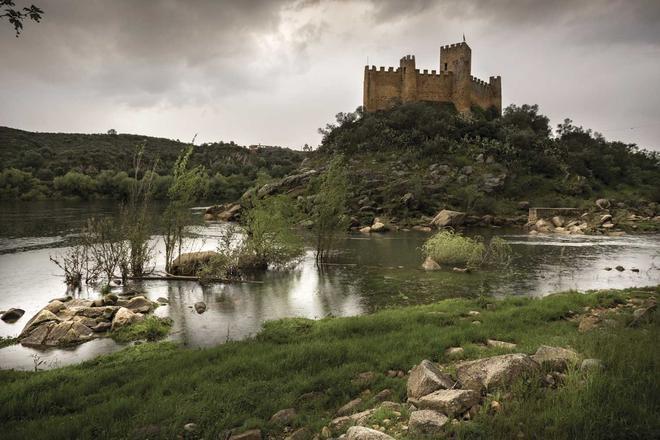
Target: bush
{"x": 152, "y": 328}
{"x": 447, "y": 247}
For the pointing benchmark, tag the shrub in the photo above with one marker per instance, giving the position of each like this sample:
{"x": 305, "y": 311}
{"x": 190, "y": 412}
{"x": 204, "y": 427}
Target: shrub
{"x": 447, "y": 247}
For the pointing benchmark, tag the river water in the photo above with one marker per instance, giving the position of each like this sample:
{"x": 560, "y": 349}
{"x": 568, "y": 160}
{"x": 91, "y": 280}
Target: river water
{"x": 372, "y": 272}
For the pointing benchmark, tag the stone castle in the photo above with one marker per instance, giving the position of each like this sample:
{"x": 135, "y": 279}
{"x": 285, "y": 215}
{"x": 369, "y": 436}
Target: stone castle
{"x": 452, "y": 83}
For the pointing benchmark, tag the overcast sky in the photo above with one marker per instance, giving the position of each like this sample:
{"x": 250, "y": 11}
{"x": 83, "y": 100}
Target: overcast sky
{"x": 272, "y": 72}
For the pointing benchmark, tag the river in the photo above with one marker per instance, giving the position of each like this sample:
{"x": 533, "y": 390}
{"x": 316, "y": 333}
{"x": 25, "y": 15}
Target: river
{"x": 372, "y": 272}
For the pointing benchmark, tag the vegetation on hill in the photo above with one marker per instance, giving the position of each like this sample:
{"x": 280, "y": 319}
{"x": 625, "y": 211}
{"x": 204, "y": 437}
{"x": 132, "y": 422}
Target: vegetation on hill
{"x": 313, "y": 365}
{"x": 40, "y": 165}
{"x": 417, "y": 158}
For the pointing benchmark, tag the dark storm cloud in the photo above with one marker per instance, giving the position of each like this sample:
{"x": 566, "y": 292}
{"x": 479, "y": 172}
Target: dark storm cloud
{"x": 585, "y": 22}
{"x": 247, "y": 69}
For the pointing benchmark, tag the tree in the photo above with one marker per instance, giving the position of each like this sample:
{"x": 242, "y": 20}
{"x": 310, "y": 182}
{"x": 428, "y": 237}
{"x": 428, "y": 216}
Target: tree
{"x": 187, "y": 185}
{"x": 329, "y": 212}
{"x": 17, "y": 16}
{"x": 112, "y": 132}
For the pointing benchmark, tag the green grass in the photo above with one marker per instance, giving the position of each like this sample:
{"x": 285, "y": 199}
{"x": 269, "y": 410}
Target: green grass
{"x": 447, "y": 247}
{"x": 152, "y": 328}
{"x": 241, "y": 384}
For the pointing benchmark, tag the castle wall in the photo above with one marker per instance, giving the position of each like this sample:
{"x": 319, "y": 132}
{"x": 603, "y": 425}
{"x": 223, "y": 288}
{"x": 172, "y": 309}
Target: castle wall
{"x": 453, "y": 83}
{"x": 434, "y": 87}
{"x": 382, "y": 88}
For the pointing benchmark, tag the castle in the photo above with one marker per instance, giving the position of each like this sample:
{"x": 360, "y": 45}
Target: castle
{"x": 452, "y": 83}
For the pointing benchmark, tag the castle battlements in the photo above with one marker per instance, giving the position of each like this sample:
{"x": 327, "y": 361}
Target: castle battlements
{"x": 453, "y": 82}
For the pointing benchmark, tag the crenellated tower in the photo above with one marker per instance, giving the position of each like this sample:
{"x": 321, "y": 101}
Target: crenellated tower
{"x": 453, "y": 83}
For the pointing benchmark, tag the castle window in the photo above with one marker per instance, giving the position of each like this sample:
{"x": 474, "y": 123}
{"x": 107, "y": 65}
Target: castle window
{"x": 445, "y": 66}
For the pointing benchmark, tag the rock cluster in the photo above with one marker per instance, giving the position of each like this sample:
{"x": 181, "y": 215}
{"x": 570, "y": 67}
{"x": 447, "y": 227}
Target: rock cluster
{"x": 228, "y": 212}
{"x": 74, "y": 321}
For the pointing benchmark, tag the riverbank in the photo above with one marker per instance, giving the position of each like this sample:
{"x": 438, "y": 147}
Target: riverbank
{"x": 153, "y": 390}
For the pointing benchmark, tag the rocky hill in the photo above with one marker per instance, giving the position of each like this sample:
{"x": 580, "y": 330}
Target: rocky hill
{"x": 408, "y": 163}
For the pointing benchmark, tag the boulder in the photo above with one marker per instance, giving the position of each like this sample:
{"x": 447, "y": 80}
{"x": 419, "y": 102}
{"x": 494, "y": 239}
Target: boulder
{"x": 362, "y": 433}
{"x": 383, "y": 396}
{"x": 343, "y": 422}
{"x": 607, "y": 218}
{"x": 426, "y": 422}
{"x": 492, "y": 372}
{"x": 110, "y": 299}
{"x": 500, "y": 344}
{"x": 558, "y": 221}
{"x": 430, "y": 264}
{"x": 284, "y": 416}
{"x": 450, "y": 402}
{"x": 448, "y": 218}
{"x": 379, "y": 227}
{"x": 139, "y": 304}
{"x": 200, "y": 307}
{"x": 603, "y": 203}
{"x": 350, "y": 407}
{"x": 230, "y": 213}
{"x": 41, "y": 317}
{"x": 365, "y": 230}
{"x": 253, "y": 434}
{"x": 102, "y": 327}
{"x": 55, "y": 306}
{"x": 408, "y": 199}
{"x": 426, "y": 378}
{"x": 300, "y": 434}
{"x": 555, "y": 358}
{"x": 37, "y": 334}
{"x": 189, "y": 264}
{"x": 12, "y": 315}
{"x": 454, "y": 351}
{"x": 125, "y": 317}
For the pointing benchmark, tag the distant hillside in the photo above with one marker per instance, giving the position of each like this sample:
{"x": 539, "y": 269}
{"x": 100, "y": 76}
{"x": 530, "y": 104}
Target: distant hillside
{"x": 33, "y": 163}
{"x": 407, "y": 163}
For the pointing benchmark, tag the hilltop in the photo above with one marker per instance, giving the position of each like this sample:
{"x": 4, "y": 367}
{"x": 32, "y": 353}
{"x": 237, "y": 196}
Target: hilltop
{"x": 34, "y": 165}
{"x": 407, "y": 163}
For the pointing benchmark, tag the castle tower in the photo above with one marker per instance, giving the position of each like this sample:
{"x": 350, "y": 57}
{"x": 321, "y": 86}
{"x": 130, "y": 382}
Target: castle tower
{"x": 457, "y": 59}
{"x": 408, "y": 78}
{"x": 495, "y": 83}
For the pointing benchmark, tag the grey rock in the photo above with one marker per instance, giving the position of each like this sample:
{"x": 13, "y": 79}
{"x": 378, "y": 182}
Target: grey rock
{"x": 200, "y": 307}
{"x": 362, "y": 433}
{"x": 591, "y": 365}
{"x": 492, "y": 372}
{"x": 350, "y": 407}
{"x": 284, "y": 416}
{"x": 426, "y": 378}
{"x": 555, "y": 358}
{"x": 448, "y": 218}
{"x": 450, "y": 402}
{"x": 426, "y": 422}
{"x": 12, "y": 315}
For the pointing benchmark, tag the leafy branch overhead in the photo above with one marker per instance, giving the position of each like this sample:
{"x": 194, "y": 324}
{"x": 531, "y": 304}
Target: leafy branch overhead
{"x": 16, "y": 16}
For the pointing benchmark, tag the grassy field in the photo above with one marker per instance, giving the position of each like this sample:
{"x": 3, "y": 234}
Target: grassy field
{"x": 239, "y": 385}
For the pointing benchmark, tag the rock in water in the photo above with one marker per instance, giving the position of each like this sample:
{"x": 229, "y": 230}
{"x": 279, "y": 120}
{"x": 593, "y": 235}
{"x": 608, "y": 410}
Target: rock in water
{"x": 450, "y": 402}
{"x": 448, "y": 218}
{"x": 362, "y": 433}
{"x": 12, "y": 315}
{"x": 125, "y": 317}
{"x": 139, "y": 304}
{"x": 379, "y": 227}
{"x": 492, "y": 372}
{"x": 426, "y": 422}
{"x": 426, "y": 378}
{"x": 200, "y": 307}
{"x": 555, "y": 358}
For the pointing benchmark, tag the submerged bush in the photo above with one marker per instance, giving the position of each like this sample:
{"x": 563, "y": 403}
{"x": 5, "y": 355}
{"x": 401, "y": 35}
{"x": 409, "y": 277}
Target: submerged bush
{"x": 448, "y": 247}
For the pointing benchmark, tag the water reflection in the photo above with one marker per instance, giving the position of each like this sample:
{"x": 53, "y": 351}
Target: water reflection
{"x": 372, "y": 272}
